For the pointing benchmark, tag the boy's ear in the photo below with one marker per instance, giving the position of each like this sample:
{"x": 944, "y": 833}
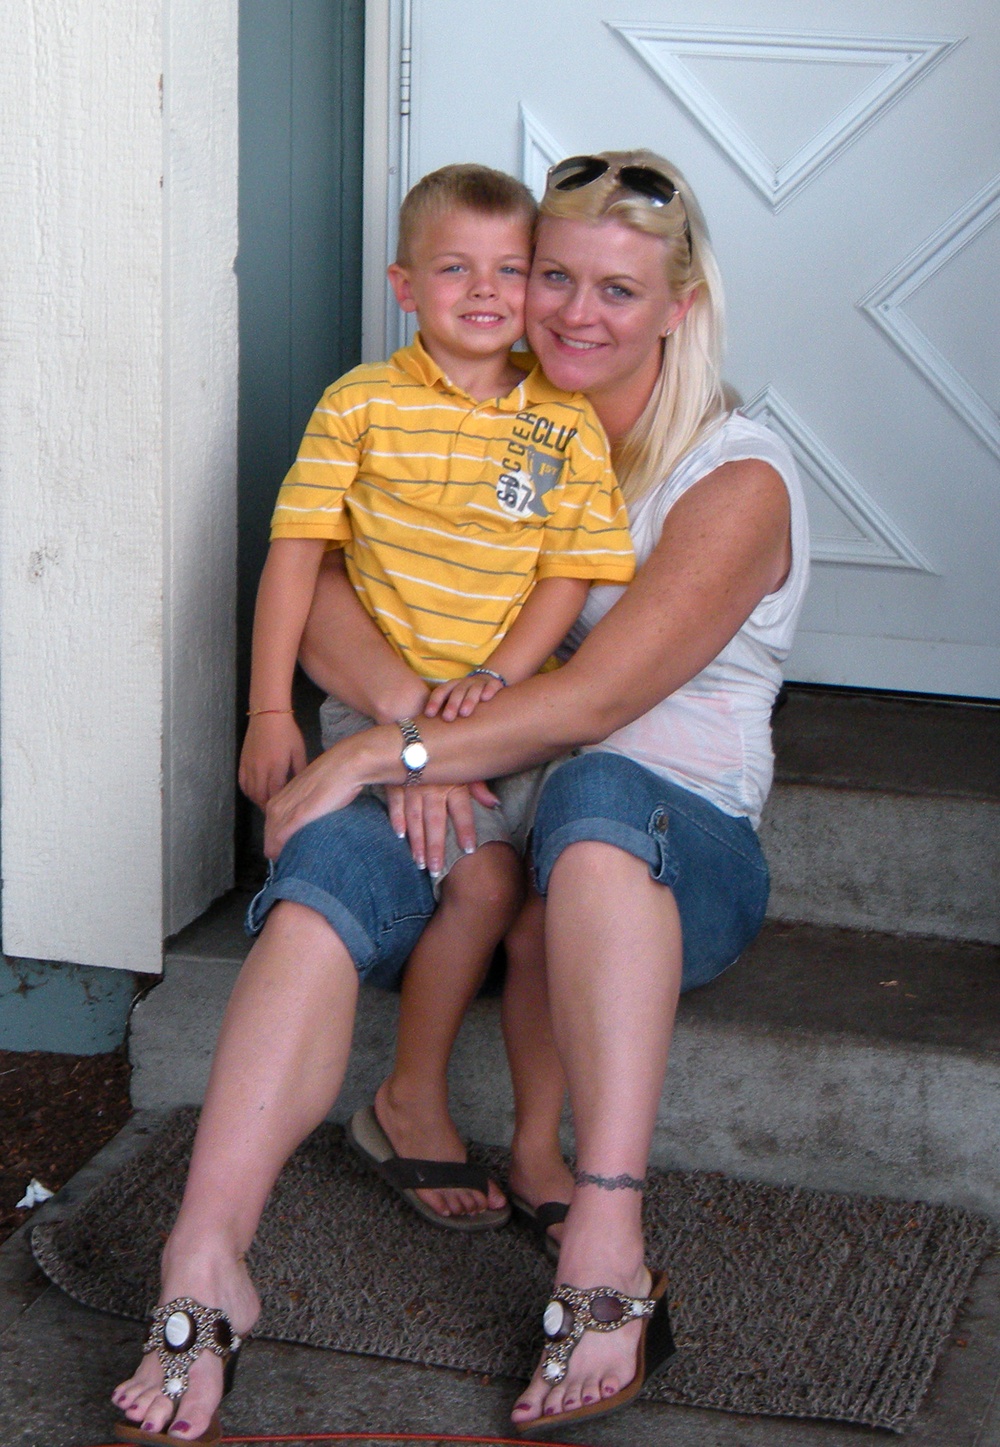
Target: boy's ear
{"x": 399, "y": 280}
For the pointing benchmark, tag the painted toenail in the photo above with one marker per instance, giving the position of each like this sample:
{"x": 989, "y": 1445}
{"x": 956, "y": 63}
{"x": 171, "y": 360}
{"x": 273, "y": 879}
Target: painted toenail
{"x": 181, "y": 1427}
{"x": 147, "y": 1427}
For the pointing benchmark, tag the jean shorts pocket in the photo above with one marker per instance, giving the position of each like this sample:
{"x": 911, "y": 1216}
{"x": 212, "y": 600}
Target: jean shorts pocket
{"x": 666, "y": 868}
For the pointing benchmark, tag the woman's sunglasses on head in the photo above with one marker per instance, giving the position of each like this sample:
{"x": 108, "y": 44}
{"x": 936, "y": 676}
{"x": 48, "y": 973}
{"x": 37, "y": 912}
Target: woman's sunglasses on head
{"x": 645, "y": 181}
{"x": 580, "y": 171}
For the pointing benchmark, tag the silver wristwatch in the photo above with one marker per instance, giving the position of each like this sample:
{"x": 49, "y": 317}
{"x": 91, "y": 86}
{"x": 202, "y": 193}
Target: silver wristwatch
{"x": 414, "y": 755}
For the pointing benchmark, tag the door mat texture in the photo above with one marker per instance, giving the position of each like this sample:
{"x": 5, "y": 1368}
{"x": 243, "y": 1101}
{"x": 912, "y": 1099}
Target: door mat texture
{"x": 784, "y": 1302}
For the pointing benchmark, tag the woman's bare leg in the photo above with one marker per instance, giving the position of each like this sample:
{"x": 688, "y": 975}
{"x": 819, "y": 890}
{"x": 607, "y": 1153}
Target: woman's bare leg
{"x": 479, "y": 898}
{"x": 613, "y": 944}
{"x": 538, "y": 1172}
{"x": 278, "y": 1068}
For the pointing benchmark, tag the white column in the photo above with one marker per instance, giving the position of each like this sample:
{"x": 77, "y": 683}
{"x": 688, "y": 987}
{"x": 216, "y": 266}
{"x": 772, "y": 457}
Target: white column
{"x": 117, "y": 472}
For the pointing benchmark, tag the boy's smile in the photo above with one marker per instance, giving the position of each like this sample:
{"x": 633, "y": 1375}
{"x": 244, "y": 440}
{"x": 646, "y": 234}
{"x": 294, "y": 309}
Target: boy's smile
{"x": 466, "y": 280}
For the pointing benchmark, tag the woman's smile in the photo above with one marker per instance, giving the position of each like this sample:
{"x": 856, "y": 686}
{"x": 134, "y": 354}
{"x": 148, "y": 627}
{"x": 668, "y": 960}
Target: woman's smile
{"x": 598, "y": 307}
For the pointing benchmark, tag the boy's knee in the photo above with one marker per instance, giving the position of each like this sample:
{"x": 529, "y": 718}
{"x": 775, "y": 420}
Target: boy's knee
{"x": 491, "y": 878}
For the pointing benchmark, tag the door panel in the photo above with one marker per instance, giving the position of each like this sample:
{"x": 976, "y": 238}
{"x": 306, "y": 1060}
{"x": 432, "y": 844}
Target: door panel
{"x": 849, "y": 166}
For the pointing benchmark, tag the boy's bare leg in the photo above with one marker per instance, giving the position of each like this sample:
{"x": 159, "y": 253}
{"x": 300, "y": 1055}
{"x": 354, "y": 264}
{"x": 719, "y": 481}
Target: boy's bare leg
{"x": 538, "y": 1172}
{"x": 278, "y": 1068}
{"x": 479, "y": 898}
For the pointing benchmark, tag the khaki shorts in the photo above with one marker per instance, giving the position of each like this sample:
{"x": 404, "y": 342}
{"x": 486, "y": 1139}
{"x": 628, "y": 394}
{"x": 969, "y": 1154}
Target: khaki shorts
{"x": 518, "y": 793}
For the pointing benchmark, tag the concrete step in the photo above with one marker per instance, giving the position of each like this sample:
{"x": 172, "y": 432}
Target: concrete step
{"x": 832, "y": 1058}
{"x": 885, "y": 814}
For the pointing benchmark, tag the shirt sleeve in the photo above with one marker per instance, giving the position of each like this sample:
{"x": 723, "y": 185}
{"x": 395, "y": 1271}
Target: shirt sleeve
{"x": 587, "y": 536}
{"x": 311, "y": 499}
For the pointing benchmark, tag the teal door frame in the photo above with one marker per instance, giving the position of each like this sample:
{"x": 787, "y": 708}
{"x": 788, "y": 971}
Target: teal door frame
{"x": 301, "y": 105}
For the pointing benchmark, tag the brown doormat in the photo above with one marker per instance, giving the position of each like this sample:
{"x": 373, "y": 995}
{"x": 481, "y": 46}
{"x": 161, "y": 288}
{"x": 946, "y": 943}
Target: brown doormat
{"x": 785, "y": 1302}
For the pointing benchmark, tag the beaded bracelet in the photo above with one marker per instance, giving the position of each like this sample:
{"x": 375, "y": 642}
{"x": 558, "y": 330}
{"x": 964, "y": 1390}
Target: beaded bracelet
{"x": 490, "y": 673}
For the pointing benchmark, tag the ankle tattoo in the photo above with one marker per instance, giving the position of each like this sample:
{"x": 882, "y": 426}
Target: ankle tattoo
{"x": 609, "y": 1183}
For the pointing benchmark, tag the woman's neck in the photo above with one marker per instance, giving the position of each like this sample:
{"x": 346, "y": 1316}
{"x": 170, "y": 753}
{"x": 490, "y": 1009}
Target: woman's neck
{"x": 620, "y": 405}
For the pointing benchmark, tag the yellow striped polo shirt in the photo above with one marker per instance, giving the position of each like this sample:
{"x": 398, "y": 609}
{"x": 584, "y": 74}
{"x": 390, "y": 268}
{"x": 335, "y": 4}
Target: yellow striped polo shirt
{"x": 448, "y": 509}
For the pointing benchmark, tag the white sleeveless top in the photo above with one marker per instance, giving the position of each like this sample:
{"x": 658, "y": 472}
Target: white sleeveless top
{"x": 713, "y": 735}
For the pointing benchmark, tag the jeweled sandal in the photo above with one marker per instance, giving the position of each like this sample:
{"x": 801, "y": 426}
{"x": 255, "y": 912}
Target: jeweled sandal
{"x": 571, "y": 1312}
{"x": 178, "y": 1333}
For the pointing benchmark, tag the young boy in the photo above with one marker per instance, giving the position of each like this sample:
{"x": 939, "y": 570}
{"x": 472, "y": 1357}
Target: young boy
{"x": 474, "y": 504}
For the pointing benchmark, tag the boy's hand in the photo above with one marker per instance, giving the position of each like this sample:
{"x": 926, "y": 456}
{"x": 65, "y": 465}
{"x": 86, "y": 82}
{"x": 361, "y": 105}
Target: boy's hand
{"x": 459, "y": 697}
{"x": 273, "y": 752}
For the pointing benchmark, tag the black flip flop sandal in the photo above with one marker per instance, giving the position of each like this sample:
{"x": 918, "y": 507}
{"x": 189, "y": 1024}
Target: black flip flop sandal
{"x": 407, "y": 1174}
{"x": 539, "y": 1218}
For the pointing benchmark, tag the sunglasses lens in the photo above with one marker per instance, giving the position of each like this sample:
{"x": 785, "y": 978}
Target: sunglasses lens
{"x": 576, "y": 172}
{"x": 646, "y": 182}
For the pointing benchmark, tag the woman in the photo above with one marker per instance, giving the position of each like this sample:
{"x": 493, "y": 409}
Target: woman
{"x": 644, "y": 848}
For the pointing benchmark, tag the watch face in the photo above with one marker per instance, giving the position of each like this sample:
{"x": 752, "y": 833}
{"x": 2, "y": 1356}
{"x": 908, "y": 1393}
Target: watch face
{"x": 414, "y": 756}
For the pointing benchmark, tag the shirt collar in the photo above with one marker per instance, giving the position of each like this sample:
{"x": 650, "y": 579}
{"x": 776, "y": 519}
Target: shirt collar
{"x": 418, "y": 363}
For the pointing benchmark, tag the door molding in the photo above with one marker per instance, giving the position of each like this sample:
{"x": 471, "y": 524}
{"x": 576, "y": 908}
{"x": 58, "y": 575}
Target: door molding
{"x": 388, "y": 68}
{"x": 905, "y": 60}
{"x": 884, "y": 304}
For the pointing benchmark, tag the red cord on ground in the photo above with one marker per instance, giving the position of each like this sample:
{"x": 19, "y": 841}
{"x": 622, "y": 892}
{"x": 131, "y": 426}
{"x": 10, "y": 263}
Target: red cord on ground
{"x": 384, "y": 1437}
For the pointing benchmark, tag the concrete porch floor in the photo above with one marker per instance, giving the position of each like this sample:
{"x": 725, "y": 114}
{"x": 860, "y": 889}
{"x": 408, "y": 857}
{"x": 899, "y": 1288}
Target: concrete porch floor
{"x": 58, "y": 1361}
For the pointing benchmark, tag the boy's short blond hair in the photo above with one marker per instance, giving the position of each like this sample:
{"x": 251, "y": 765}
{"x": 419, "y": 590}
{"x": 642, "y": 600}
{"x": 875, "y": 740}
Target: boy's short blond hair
{"x": 467, "y": 186}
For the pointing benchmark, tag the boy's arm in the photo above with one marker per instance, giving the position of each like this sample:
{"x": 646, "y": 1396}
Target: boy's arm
{"x": 347, "y": 654}
{"x": 273, "y": 749}
{"x": 549, "y": 612}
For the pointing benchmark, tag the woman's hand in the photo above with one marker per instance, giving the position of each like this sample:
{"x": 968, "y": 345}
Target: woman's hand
{"x": 273, "y": 752}
{"x": 421, "y": 812}
{"x": 329, "y": 782}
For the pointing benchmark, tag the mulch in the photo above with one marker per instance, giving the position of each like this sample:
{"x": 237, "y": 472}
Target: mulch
{"x": 56, "y": 1112}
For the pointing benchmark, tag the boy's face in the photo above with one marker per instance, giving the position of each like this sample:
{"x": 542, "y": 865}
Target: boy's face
{"x": 466, "y": 280}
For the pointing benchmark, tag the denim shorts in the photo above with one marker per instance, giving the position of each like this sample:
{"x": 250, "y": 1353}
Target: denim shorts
{"x": 350, "y": 868}
{"x": 711, "y": 861}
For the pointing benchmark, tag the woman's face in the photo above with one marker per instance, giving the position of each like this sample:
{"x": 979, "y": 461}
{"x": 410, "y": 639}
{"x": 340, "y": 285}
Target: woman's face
{"x": 597, "y": 310}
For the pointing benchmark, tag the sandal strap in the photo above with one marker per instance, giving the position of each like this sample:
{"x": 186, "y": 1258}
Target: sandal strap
{"x": 572, "y": 1311}
{"x": 408, "y": 1173}
{"x": 180, "y": 1331}
{"x": 551, "y": 1213}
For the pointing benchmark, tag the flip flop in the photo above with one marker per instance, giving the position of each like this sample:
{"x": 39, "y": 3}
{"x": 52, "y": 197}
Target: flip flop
{"x": 178, "y": 1333}
{"x": 539, "y": 1218}
{"x": 570, "y": 1313}
{"x": 406, "y": 1174}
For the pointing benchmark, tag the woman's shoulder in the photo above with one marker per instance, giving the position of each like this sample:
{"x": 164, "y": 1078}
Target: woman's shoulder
{"x": 734, "y": 438}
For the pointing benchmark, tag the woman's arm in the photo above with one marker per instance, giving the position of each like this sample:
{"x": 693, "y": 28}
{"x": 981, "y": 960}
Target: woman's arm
{"x": 725, "y": 545}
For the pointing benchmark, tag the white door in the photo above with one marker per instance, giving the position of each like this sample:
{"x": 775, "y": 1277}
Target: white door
{"x": 847, "y": 154}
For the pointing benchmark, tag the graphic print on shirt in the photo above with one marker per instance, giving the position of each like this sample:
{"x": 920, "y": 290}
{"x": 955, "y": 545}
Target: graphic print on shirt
{"x": 529, "y": 472}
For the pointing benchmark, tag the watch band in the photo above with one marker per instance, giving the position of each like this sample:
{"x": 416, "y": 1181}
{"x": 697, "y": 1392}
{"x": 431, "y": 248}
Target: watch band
{"x": 414, "y": 754}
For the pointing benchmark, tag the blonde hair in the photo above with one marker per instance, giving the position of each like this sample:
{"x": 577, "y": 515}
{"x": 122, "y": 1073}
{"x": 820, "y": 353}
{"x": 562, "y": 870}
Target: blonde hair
{"x": 687, "y": 401}
{"x": 469, "y": 187}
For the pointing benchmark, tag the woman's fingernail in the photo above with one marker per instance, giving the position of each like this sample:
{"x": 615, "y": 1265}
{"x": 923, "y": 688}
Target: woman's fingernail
{"x": 400, "y": 833}
{"x": 470, "y": 849}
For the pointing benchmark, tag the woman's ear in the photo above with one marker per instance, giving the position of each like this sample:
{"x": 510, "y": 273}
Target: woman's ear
{"x": 399, "y": 280}
{"x": 678, "y": 311}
